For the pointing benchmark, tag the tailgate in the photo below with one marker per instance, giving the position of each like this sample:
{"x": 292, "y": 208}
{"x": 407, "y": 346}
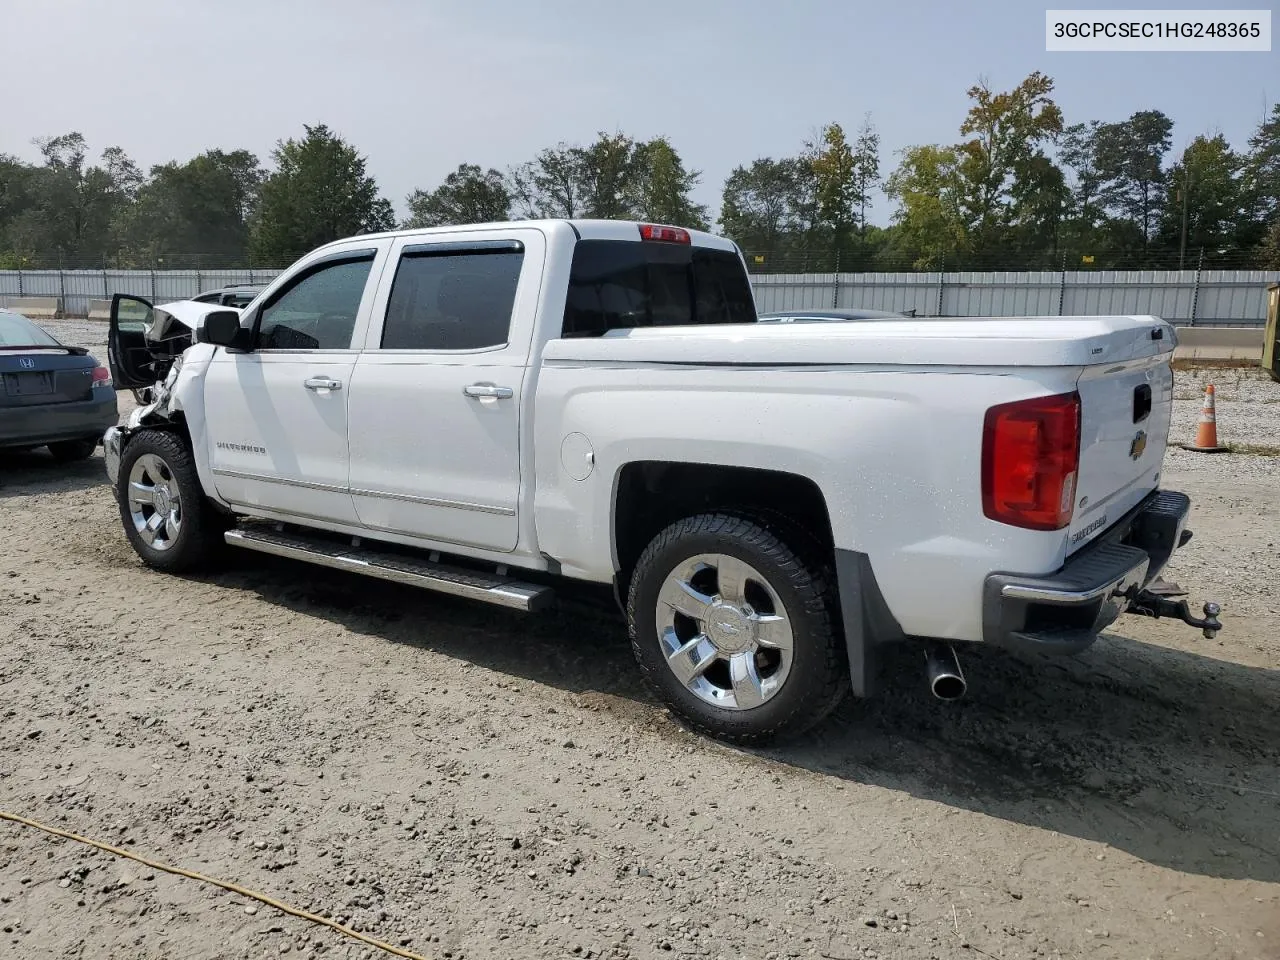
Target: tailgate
{"x": 1125, "y": 407}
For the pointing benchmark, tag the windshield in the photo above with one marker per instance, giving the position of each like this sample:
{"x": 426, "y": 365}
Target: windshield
{"x": 622, "y": 284}
{"x": 18, "y": 331}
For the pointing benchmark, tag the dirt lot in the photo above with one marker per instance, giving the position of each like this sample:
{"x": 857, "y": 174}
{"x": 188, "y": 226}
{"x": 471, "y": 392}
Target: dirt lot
{"x": 477, "y": 784}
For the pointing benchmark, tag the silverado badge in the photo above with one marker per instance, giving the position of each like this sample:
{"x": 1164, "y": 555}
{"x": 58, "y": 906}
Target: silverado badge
{"x": 1138, "y": 446}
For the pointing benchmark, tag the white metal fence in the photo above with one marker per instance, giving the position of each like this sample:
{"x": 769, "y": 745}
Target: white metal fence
{"x": 1184, "y": 297}
{"x": 75, "y": 288}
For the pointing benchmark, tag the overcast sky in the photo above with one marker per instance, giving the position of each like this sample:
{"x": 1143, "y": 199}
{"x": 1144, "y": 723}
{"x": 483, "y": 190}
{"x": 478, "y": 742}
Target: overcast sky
{"x": 421, "y": 86}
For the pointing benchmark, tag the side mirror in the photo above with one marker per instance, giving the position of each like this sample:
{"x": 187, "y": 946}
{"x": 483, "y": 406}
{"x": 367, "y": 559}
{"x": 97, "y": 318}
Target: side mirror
{"x": 222, "y": 327}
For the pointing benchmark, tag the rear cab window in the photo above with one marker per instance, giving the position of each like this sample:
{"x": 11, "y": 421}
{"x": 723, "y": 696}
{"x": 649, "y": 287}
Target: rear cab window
{"x": 624, "y": 284}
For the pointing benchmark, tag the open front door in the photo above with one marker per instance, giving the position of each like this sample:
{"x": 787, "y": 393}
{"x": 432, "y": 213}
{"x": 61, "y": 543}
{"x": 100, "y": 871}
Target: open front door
{"x": 132, "y": 365}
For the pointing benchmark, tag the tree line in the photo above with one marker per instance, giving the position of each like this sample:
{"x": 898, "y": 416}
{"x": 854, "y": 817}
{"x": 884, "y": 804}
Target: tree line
{"x": 1019, "y": 189}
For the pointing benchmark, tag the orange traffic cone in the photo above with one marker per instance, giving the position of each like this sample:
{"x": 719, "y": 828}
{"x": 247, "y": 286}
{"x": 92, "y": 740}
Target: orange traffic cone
{"x": 1207, "y": 431}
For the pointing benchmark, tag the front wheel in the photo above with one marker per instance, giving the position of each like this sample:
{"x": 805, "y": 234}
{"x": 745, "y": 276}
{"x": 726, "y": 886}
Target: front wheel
{"x": 734, "y": 631}
{"x": 166, "y": 517}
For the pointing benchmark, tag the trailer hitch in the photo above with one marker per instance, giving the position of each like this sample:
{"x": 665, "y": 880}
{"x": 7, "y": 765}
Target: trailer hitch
{"x": 1147, "y": 604}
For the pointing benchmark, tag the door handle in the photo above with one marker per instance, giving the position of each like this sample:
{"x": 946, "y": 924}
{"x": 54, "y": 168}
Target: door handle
{"x": 488, "y": 391}
{"x": 322, "y": 383}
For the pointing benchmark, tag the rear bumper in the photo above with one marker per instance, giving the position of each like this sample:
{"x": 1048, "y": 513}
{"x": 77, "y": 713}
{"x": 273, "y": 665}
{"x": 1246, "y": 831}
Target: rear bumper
{"x": 1065, "y": 611}
{"x": 78, "y": 420}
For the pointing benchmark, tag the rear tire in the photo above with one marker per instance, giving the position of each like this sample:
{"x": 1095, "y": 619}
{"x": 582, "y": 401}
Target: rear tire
{"x": 168, "y": 520}
{"x": 733, "y": 630}
{"x": 70, "y": 451}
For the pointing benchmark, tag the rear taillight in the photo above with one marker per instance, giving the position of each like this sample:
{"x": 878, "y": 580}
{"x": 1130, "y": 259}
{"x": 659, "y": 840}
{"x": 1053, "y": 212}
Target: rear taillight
{"x": 656, "y": 231}
{"x": 101, "y": 377}
{"x": 1030, "y": 455}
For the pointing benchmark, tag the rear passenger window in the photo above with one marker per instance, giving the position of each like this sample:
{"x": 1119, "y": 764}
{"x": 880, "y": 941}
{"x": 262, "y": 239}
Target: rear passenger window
{"x": 453, "y": 299}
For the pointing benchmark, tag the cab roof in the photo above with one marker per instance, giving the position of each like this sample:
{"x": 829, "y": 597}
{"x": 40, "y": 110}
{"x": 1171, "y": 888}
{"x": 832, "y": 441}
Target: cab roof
{"x": 584, "y": 229}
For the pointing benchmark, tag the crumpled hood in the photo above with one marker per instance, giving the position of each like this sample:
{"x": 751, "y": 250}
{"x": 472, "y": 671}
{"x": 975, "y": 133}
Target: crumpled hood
{"x": 180, "y": 318}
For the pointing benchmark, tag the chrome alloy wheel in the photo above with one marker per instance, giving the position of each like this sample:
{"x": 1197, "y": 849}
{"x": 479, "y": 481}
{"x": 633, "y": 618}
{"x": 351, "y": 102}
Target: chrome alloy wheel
{"x": 724, "y": 631}
{"x": 155, "y": 503}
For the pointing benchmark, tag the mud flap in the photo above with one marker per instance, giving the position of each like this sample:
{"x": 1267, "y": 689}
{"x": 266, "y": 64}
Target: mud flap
{"x": 866, "y": 619}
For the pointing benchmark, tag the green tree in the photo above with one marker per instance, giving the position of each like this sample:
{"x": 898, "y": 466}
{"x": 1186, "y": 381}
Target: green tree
{"x": 468, "y": 195}
{"x": 1082, "y": 229}
{"x": 759, "y": 205}
{"x": 193, "y": 210}
{"x": 866, "y": 168}
{"x": 550, "y": 185}
{"x": 126, "y": 179}
{"x": 1039, "y": 202}
{"x": 62, "y": 210}
{"x": 1078, "y": 151}
{"x": 666, "y": 187}
{"x": 611, "y": 177}
{"x": 1269, "y": 252}
{"x": 1202, "y": 209}
{"x": 808, "y": 240}
{"x": 1130, "y": 157}
{"x": 245, "y": 176}
{"x": 1006, "y": 132}
{"x": 1260, "y": 182}
{"x": 319, "y": 192}
{"x": 17, "y": 196}
{"x": 930, "y": 226}
{"x": 834, "y": 167}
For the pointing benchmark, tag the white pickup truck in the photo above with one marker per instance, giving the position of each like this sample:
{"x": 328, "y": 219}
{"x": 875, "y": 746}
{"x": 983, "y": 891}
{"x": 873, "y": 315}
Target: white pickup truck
{"x": 487, "y": 410}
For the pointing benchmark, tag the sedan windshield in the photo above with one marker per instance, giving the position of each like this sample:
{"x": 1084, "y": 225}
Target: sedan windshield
{"x": 18, "y": 331}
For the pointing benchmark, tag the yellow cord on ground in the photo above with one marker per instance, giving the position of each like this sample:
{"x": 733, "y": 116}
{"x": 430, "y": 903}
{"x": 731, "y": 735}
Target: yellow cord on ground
{"x": 234, "y": 888}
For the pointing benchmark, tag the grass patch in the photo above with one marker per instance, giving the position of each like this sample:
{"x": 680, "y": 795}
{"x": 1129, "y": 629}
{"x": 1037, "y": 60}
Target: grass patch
{"x": 1192, "y": 363}
{"x": 1254, "y": 449}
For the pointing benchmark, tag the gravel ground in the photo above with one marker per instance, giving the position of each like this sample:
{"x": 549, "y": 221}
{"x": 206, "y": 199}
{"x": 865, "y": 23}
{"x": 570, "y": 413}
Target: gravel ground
{"x": 477, "y": 784}
{"x": 1247, "y": 402}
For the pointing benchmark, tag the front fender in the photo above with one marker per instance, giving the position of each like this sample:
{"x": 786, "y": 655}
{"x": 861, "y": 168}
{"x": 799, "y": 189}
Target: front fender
{"x": 112, "y": 448}
{"x": 114, "y": 440}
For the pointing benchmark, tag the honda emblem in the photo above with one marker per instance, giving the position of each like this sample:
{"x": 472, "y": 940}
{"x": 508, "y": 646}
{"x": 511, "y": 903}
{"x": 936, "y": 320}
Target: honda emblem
{"x": 27, "y": 363}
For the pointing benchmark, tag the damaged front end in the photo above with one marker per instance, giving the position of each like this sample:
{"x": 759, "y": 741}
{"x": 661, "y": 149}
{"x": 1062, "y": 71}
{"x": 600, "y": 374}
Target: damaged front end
{"x": 154, "y": 408}
{"x": 147, "y": 347}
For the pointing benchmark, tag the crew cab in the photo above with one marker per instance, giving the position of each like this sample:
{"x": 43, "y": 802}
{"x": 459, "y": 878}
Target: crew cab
{"x": 492, "y": 410}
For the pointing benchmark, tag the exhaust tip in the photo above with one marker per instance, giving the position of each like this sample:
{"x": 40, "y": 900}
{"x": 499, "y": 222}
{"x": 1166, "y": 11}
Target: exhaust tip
{"x": 948, "y": 687}
{"x": 942, "y": 667}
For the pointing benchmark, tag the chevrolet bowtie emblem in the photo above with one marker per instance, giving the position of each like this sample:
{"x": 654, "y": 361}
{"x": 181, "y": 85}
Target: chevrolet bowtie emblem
{"x": 1138, "y": 446}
